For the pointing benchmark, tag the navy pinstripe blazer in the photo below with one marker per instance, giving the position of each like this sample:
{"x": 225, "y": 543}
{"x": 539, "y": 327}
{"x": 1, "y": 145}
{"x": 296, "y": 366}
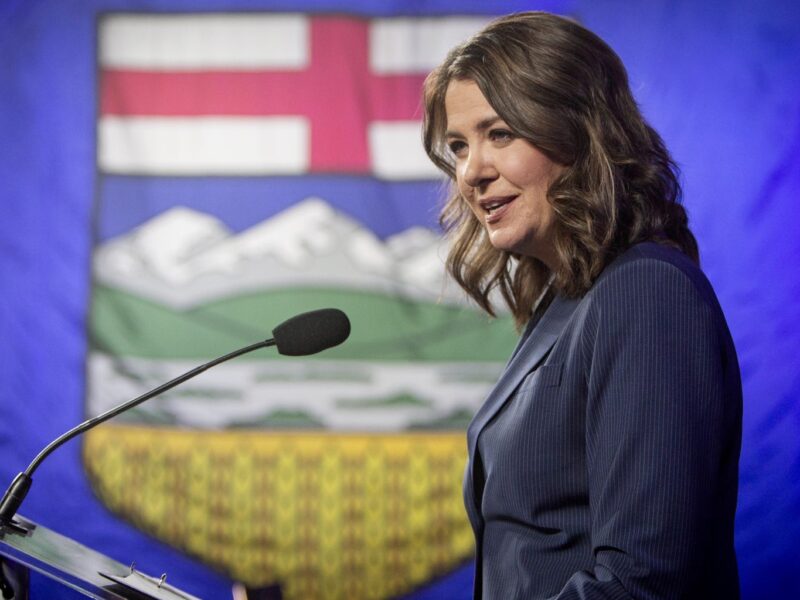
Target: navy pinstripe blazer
{"x": 604, "y": 463}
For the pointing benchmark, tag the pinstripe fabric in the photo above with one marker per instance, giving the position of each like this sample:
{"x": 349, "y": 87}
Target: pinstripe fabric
{"x": 604, "y": 463}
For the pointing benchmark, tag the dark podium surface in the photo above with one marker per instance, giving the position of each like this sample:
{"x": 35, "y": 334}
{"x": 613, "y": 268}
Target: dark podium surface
{"x": 77, "y": 567}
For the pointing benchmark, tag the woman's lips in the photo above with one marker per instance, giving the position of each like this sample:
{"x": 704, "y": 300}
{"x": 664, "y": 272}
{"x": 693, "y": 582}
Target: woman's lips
{"x": 496, "y": 207}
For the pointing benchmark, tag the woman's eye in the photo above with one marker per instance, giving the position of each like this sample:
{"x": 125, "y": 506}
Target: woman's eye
{"x": 501, "y": 135}
{"x": 457, "y": 147}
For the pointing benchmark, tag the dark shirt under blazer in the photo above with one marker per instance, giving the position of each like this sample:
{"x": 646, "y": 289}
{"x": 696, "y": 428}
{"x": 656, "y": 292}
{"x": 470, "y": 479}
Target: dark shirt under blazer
{"x": 604, "y": 463}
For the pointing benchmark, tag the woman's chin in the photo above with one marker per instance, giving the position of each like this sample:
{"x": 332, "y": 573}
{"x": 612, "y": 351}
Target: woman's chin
{"x": 501, "y": 242}
{"x": 507, "y": 243}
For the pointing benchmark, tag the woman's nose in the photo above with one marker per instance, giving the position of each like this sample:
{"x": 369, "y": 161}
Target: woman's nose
{"x": 478, "y": 169}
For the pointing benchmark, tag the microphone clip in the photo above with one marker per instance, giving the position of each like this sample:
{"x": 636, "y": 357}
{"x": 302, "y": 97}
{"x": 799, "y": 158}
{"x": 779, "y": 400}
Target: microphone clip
{"x": 10, "y": 504}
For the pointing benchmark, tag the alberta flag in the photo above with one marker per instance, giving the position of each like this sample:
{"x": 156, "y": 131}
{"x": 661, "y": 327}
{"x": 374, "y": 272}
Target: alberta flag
{"x": 252, "y": 166}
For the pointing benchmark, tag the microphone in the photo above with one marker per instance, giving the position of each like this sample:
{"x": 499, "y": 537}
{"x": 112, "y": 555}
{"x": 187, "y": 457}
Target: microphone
{"x": 311, "y": 332}
{"x": 301, "y": 335}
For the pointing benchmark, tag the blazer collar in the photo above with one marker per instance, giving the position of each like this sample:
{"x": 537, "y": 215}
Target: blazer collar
{"x": 533, "y": 346}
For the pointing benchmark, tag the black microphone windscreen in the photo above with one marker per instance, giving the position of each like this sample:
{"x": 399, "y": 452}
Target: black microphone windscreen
{"x": 311, "y": 332}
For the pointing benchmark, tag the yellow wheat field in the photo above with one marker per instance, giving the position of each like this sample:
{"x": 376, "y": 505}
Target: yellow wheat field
{"x": 326, "y": 515}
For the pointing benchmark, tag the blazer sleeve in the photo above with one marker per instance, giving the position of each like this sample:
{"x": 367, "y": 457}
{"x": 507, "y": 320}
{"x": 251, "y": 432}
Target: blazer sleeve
{"x": 657, "y": 421}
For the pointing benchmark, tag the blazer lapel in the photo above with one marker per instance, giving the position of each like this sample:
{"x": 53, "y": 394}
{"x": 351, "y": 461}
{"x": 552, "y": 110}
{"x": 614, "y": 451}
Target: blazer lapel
{"x": 533, "y": 346}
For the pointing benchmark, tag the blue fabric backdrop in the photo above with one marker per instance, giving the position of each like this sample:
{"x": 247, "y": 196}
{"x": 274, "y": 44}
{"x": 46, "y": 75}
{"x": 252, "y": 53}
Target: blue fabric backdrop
{"x": 719, "y": 80}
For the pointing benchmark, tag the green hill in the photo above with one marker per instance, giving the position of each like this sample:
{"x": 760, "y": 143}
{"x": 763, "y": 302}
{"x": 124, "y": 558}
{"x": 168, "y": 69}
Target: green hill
{"x": 384, "y": 328}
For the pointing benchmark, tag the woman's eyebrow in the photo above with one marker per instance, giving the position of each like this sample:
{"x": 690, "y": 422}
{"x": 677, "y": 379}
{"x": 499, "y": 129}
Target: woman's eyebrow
{"x": 481, "y": 125}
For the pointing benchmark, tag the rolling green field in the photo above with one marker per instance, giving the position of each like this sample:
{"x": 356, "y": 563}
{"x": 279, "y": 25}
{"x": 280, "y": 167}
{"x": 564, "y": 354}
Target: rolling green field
{"x": 384, "y": 328}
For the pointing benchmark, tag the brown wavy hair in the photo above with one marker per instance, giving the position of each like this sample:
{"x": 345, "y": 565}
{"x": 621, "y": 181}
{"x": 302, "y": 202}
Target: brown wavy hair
{"x": 559, "y": 86}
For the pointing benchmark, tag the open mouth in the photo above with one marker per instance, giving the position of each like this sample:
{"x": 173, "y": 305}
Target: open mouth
{"x": 492, "y": 204}
{"x": 495, "y": 207}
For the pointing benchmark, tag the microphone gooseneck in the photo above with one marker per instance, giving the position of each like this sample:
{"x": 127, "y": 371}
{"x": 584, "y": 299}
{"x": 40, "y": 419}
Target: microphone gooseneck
{"x": 303, "y": 334}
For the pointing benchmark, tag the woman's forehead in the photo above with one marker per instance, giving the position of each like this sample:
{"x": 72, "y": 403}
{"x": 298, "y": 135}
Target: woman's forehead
{"x": 466, "y": 108}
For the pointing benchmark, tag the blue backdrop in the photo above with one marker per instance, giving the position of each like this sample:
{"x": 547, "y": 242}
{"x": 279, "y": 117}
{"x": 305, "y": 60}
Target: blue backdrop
{"x": 719, "y": 80}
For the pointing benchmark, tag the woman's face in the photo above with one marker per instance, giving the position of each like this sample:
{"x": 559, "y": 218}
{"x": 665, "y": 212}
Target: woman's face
{"x": 502, "y": 177}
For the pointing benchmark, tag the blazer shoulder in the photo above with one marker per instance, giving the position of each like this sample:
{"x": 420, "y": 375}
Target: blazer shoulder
{"x": 652, "y": 289}
{"x": 648, "y": 264}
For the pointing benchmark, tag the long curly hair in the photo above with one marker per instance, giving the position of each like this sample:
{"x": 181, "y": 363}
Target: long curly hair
{"x": 559, "y": 86}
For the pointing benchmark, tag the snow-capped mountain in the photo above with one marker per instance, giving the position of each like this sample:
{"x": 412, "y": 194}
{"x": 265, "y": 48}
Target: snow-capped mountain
{"x": 184, "y": 258}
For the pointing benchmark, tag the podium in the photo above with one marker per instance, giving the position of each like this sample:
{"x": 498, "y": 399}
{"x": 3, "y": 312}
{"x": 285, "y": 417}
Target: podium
{"x": 74, "y": 566}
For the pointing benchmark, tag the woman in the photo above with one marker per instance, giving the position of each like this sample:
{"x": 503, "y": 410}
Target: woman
{"x": 604, "y": 463}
